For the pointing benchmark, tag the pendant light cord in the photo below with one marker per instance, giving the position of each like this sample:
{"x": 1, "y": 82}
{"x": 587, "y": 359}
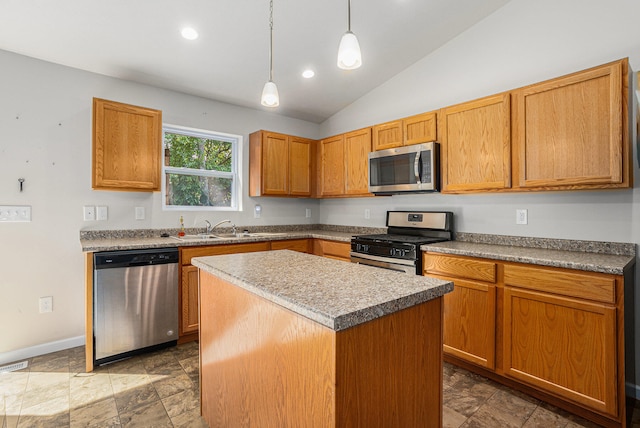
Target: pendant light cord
{"x": 271, "y": 40}
{"x": 349, "y": 16}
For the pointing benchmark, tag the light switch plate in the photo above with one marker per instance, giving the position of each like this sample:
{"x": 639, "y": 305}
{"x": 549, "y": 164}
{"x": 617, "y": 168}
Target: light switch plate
{"x": 102, "y": 213}
{"x": 140, "y": 213}
{"x": 15, "y": 213}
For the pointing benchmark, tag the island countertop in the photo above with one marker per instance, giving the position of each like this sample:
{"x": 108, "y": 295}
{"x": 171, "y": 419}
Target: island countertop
{"x": 333, "y": 293}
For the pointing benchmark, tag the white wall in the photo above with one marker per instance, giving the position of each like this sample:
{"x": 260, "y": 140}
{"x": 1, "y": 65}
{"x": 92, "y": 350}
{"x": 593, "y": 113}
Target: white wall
{"x": 524, "y": 42}
{"x": 45, "y": 138}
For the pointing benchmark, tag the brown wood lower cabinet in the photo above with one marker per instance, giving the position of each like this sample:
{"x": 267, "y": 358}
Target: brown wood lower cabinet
{"x": 555, "y": 333}
{"x": 332, "y": 249}
{"x": 276, "y": 368}
{"x": 300, "y": 245}
{"x": 188, "y": 294}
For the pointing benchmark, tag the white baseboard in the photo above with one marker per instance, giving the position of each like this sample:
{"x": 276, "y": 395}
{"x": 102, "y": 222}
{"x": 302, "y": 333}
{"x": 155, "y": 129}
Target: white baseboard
{"x": 45, "y": 348}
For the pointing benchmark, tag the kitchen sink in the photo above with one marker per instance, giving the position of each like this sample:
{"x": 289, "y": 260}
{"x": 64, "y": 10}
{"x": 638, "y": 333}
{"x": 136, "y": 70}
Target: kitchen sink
{"x": 195, "y": 237}
{"x": 229, "y": 235}
{"x": 248, "y": 235}
{"x": 203, "y": 236}
{"x": 265, "y": 234}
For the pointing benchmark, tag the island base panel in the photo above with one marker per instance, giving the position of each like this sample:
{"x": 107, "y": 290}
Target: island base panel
{"x": 263, "y": 365}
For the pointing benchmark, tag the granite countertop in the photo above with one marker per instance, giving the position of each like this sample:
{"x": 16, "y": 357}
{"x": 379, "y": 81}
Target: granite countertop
{"x": 334, "y": 293}
{"x": 112, "y": 242}
{"x": 581, "y": 255}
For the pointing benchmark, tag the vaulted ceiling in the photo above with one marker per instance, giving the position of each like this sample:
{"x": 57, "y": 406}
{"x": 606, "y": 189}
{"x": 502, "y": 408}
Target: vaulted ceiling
{"x": 139, "y": 40}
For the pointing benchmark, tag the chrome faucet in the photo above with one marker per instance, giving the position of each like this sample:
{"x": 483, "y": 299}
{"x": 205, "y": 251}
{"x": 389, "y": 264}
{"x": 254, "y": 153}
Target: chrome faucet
{"x": 210, "y": 228}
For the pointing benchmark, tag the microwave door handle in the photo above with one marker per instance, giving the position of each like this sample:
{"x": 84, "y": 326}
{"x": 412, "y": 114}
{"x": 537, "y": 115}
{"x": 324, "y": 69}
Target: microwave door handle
{"x": 416, "y": 167}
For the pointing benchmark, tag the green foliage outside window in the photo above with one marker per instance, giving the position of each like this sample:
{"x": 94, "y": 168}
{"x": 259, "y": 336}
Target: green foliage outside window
{"x": 194, "y": 186}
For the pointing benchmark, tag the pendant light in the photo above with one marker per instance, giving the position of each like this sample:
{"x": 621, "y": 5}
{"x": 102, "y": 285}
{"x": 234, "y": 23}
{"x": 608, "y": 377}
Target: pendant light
{"x": 270, "y": 96}
{"x": 349, "y": 56}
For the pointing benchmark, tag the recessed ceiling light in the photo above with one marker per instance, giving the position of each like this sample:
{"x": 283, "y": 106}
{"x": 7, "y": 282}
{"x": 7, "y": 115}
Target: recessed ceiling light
{"x": 308, "y": 74}
{"x": 189, "y": 33}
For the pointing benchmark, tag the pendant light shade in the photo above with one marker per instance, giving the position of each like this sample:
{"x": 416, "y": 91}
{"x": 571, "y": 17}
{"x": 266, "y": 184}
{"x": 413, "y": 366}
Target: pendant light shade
{"x": 270, "y": 97}
{"x": 349, "y": 56}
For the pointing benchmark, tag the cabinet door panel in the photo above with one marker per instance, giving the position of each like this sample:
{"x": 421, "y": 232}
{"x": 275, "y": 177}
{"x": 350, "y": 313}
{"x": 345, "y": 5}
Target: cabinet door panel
{"x": 357, "y": 148}
{"x": 332, "y": 169}
{"x": 189, "y": 300}
{"x": 275, "y": 164}
{"x": 570, "y": 129}
{"x": 419, "y": 129}
{"x": 387, "y": 135}
{"x": 476, "y": 145}
{"x": 299, "y": 166}
{"x": 469, "y": 322}
{"x": 563, "y": 346}
{"x": 126, "y": 146}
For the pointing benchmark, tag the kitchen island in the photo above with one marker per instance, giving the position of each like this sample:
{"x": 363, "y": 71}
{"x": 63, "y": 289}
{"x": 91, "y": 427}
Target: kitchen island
{"x": 291, "y": 339}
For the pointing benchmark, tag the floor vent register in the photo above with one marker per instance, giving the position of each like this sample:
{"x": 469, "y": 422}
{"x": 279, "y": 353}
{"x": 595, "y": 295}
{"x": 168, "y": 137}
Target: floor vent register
{"x": 14, "y": 367}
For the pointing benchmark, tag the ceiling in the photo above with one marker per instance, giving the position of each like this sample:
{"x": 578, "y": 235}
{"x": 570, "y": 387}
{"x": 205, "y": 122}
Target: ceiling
{"x": 139, "y": 40}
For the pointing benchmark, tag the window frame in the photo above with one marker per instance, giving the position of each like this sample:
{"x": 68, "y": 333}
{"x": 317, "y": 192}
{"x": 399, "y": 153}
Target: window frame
{"x": 235, "y": 175}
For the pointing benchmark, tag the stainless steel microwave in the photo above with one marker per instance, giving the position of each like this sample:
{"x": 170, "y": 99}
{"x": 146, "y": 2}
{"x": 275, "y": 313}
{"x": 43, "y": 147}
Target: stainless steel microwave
{"x": 413, "y": 168}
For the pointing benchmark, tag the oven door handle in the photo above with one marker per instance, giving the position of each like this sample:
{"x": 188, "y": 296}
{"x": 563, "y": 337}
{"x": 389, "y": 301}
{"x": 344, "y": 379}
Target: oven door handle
{"x": 405, "y": 266}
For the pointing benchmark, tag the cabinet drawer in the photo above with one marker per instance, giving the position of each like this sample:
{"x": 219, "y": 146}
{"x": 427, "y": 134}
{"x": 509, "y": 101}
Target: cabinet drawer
{"x": 213, "y": 250}
{"x": 459, "y": 267}
{"x": 332, "y": 249}
{"x": 301, "y": 245}
{"x": 590, "y": 286}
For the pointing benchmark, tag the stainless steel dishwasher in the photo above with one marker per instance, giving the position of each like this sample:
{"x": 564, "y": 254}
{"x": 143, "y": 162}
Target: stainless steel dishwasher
{"x": 135, "y": 302}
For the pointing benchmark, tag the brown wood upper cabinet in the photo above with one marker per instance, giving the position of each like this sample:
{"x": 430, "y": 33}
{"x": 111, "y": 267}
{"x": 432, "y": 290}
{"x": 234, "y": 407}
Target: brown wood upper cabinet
{"x": 475, "y": 149}
{"x": 567, "y": 133}
{"x": 571, "y": 132}
{"x": 343, "y": 169}
{"x": 416, "y": 129}
{"x": 280, "y": 165}
{"x": 331, "y": 168}
{"x": 127, "y": 142}
{"x": 357, "y": 145}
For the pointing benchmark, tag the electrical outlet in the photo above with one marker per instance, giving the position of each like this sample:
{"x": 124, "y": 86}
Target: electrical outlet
{"x": 257, "y": 211}
{"x": 522, "y": 217}
{"x": 307, "y": 212}
{"x": 367, "y": 213}
{"x": 46, "y": 304}
{"x": 89, "y": 213}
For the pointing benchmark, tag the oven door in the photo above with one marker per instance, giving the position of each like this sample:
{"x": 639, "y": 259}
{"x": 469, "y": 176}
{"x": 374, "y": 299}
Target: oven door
{"x": 406, "y": 266}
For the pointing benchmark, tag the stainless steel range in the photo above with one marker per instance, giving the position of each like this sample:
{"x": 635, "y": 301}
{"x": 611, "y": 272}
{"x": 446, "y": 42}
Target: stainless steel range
{"x": 399, "y": 248}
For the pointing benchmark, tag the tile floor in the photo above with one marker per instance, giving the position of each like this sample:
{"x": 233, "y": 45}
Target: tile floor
{"x": 161, "y": 390}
